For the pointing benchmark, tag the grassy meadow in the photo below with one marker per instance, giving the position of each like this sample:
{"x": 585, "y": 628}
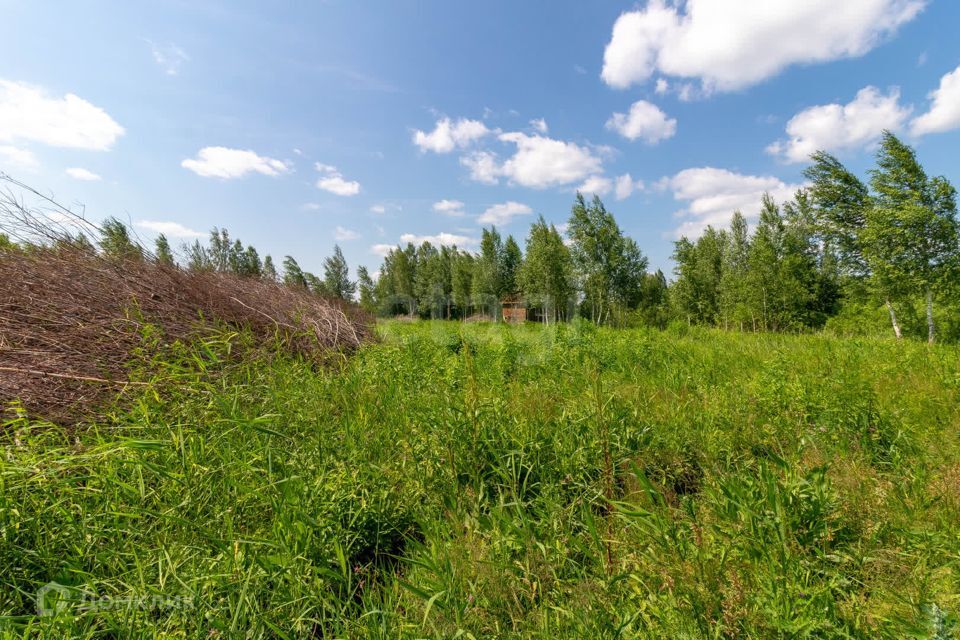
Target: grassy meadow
{"x": 481, "y": 480}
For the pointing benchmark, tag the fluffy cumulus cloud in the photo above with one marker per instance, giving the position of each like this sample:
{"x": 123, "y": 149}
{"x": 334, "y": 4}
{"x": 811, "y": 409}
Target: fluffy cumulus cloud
{"x": 539, "y": 162}
{"x": 448, "y": 135}
{"x": 27, "y": 113}
{"x": 944, "y": 113}
{"x": 731, "y": 44}
{"x": 596, "y": 185}
{"x": 837, "y": 127}
{"x": 542, "y": 162}
{"x": 625, "y": 185}
{"x": 712, "y": 195}
{"x": 333, "y": 181}
{"x": 169, "y": 229}
{"x": 79, "y": 173}
{"x": 453, "y": 208}
{"x": 18, "y": 158}
{"x": 381, "y": 249}
{"x": 644, "y": 121}
{"x": 483, "y": 166}
{"x": 227, "y": 164}
{"x": 342, "y": 234}
{"x": 539, "y": 125}
{"x": 441, "y": 239}
{"x": 504, "y": 213}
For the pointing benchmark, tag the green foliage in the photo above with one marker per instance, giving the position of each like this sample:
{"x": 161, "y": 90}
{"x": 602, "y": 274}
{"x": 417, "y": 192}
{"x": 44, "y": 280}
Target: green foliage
{"x": 116, "y": 243}
{"x": 162, "y": 251}
{"x": 546, "y": 275}
{"x": 609, "y": 265}
{"x": 484, "y": 480}
{"x": 336, "y": 276}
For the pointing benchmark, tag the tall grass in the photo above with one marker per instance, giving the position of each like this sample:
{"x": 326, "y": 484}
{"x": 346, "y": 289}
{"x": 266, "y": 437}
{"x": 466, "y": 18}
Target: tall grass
{"x": 491, "y": 481}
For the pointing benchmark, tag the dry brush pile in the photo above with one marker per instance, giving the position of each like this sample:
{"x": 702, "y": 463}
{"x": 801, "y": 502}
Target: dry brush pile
{"x": 71, "y": 318}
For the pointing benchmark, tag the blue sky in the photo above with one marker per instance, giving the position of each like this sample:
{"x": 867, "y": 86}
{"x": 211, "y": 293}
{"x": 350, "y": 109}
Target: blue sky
{"x": 366, "y": 123}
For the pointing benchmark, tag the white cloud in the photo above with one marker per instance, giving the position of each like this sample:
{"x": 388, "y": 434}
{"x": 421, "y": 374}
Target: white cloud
{"x": 836, "y": 127}
{"x": 333, "y": 181}
{"x": 226, "y": 163}
{"x": 732, "y": 44}
{"x": 596, "y": 185}
{"x": 645, "y": 121}
{"x": 539, "y": 162}
{"x": 79, "y": 173}
{"x": 542, "y": 162}
{"x": 169, "y": 229}
{"x": 448, "y": 135}
{"x": 27, "y": 113}
{"x": 381, "y": 249}
{"x": 17, "y": 157}
{"x": 944, "y": 113}
{"x": 483, "y": 166}
{"x": 441, "y": 239}
{"x": 378, "y": 209}
{"x": 662, "y": 86}
{"x": 504, "y": 213}
{"x": 453, "y": 208}
{"x": 712, "y": 195}
{"x": 624, "y": 185}
{"x": 343, "y": 234}
{"x": 539, "y": 125}
{"x": 169, "y": 58}
{"x": 310, "y": 206}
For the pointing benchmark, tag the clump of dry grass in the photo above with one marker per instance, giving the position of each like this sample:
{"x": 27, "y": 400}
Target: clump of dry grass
{"x": 71, "y": 318}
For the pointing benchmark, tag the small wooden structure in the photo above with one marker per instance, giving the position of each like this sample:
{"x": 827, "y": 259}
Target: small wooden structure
{"x": 513, "y": 310}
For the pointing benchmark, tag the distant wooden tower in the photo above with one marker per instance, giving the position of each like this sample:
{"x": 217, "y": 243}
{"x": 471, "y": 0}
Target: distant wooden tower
{"x": 514, "y": 310}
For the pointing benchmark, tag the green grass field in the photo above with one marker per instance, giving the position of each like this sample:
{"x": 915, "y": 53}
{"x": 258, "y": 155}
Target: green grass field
{"x": 485, "y": 481}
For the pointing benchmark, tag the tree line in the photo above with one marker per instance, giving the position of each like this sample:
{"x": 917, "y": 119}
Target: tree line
{"x": 839, "y": 249}
{"x": 598, "y": 272}
{"x": 837, "y": 253}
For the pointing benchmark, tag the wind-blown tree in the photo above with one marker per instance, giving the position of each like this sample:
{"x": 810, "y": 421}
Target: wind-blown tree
{"x": 293, "y": 275}
{"x": 840, "y": 206}
{"x": 608, "y": 264}
{"x": 220, "y": 249}
{"x": 911, "y": 234}
{"x": 198, "y": 259}
{"x": 546, "y": 274}
{"x": 269, "y": 272}
{"x": 162, "y": 251}
{"x": 315, "y": 284}
{"x": 115, "y": 241}
{"x": 336, "y": 276}
{"x": 245, "y": 262}
{"x": 366, "y": 289}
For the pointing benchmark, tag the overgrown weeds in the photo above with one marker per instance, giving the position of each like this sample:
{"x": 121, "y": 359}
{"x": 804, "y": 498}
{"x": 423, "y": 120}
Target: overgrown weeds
{"x": 492, "y": 481}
